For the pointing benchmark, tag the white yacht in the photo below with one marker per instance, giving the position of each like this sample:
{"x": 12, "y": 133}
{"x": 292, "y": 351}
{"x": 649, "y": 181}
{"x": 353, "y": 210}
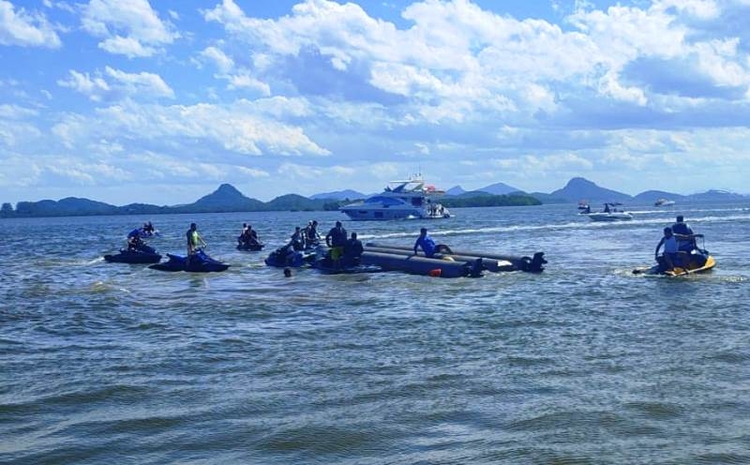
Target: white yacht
{"x": 410, "y": 199}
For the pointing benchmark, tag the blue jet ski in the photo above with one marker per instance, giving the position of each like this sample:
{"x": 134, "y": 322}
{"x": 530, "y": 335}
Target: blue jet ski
{"x": 197, "y": 263}
{"x": 254, "y": 247}
{"x": 287, "y": 256}
{"x": 143, "y": 255}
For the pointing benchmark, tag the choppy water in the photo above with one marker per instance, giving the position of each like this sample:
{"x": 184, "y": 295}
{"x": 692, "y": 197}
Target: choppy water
{"x": 583, "y": 364}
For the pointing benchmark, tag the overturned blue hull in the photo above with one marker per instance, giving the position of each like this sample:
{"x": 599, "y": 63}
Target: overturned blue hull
{"x": 198, "y": 263}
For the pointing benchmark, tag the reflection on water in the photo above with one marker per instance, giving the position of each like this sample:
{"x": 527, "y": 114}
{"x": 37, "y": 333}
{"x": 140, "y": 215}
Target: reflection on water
{"x": 584, "y": 363}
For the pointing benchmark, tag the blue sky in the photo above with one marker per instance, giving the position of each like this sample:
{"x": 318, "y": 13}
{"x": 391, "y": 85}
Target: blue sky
{"x": 160, "y": 102}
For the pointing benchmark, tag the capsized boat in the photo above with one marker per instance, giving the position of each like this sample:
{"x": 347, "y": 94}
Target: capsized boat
{"x": 697, "y": 261}
{"x": 199, "y": 262}
{"x": 473, "y": 263}
{"x": 410, "y": 199}
{"x": 414, "y": 264}
{"x": 347, "y": 265}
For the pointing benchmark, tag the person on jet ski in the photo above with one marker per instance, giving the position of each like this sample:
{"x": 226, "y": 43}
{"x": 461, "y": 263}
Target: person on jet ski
{"x": 352, "y": 250}
{"x": 134, "y": 240}
{"x": 249, "y": 236}
{"x": 336, "y": 240}
{"x": 671, "y": 252}
{"x": 311, "y": 233}
{"x": 194, "y": 240}
{"x": 148, "y": 228}
{"x": 297, "y": 241}
{"x": 684, "y": 234}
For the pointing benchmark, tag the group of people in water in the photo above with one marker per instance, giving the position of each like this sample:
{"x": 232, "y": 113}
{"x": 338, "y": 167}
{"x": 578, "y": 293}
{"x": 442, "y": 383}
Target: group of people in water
{"x": 343, "y": 250}
{"x": 341, "y": 247}
{"x": 678, "y": 242}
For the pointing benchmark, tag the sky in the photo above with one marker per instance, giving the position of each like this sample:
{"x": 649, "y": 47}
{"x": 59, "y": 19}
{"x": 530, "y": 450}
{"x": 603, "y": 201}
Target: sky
{"x": 162, "y": 101}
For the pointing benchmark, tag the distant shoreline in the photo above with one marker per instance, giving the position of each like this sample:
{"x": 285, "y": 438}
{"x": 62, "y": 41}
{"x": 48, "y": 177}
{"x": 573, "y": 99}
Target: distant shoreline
{"x": 227, "y": 199}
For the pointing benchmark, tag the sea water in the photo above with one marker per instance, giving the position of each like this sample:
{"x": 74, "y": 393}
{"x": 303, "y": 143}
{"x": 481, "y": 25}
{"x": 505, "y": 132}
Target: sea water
{"x": 585, "y": 363}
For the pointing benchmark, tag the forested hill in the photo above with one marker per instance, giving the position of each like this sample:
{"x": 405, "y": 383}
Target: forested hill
{"x": 228, "y": 199}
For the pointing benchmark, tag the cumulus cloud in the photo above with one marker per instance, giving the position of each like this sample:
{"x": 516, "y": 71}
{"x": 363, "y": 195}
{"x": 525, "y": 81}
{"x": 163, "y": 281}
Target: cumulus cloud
{"x": 113, "y": 84}
{"x": 129, "y": 28}
{"x": 609, "y": 89}
{"x": 27, "y": 29}
{"x": 238, "y": 78}
{"x": 204, "y": 131}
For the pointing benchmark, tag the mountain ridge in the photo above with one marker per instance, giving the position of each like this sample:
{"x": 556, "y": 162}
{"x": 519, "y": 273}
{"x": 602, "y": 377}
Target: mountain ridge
{"x": 226, "y": 198}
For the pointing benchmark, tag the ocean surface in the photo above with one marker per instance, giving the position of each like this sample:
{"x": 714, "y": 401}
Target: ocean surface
{"x": 585, "y": 363}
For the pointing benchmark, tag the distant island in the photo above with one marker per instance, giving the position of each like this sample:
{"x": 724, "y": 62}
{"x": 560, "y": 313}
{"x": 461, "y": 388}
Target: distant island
{"x": 228, "y": 199}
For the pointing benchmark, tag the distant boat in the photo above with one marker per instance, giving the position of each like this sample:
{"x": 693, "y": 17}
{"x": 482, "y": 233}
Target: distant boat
{"x": 610, "y": 214}
{"x": 410, "y": 199}
{"x": 663, "y": 203}
{"x": 583, "y": 207}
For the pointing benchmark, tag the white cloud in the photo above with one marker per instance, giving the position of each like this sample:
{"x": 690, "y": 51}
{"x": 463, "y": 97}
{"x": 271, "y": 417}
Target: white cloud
{"x": 85, "y": 173}
{"x": 235, "y": 128}
{"x": 330, "y": 92}
{"x": 16, "y": 112}
{"x": 19, "y": 27}
{"x": 131, "y": 28}
{"x": 700, "y": 9}
{"x": 237, "y": 78}
{"x": 142, "y": 84}
{"x": 93, "y": 88}
{"x": 244, "y": 81}
{"x": 114, "y": 84}
{"x": 223, "y": 63}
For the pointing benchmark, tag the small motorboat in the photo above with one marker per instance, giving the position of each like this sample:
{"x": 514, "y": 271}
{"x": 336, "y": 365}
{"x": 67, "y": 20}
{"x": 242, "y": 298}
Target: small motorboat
{"x": 611, "y": 216}
{"x": 583, "y": 207}
{"x": 610, "y": 213}
{"x": 697, "y": 261}
{"x": 145, "y": 254}
{"x": 664, "y": 203}
{"x": 199, "y": 262}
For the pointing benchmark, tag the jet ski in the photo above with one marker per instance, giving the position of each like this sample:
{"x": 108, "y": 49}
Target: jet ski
{"x": 144, "y": 254}
{"x": 696, "y": 261}
{"x": 250, "y": 247}
{"x": 199, "y": 262}
{"x": 287, "y": 256}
